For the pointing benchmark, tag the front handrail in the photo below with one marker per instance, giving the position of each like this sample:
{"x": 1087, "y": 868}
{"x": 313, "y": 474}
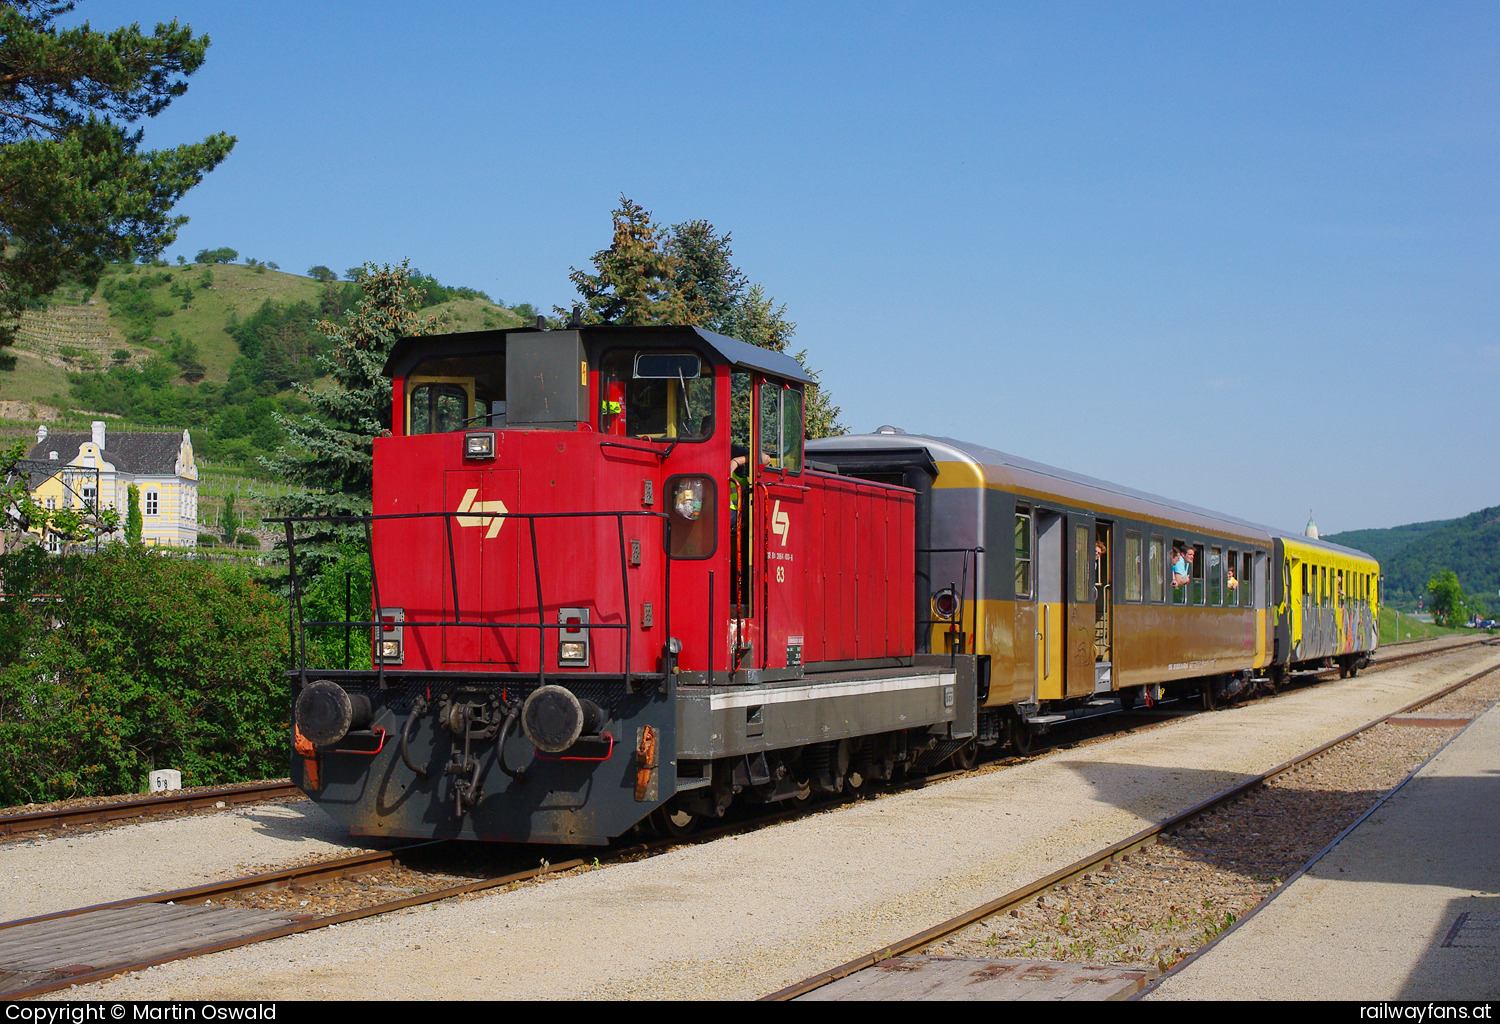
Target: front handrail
{"x": 298, "y": 631}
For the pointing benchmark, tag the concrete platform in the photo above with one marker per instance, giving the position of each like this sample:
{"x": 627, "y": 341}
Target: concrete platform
{"x": 955, "y": 979}
{"x": 1406, "y": 907}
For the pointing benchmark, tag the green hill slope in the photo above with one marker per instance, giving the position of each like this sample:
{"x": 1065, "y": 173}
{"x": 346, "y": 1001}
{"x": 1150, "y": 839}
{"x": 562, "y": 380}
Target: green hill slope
{"x": 214, "y": 348}
{"x": 1409, "y": 555}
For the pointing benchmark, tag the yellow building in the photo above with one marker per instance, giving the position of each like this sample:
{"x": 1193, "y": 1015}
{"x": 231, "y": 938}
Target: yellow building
{"x": 97, "y": 469}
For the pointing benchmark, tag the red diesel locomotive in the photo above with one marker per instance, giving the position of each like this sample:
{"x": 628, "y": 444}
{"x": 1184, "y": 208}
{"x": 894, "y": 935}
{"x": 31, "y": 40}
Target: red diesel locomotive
{"x": 593, "y": 603}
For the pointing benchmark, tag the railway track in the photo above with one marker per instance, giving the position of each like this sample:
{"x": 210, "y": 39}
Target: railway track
{"x": 157, "y": 806}
{"x": 175, "y": 925}
{"x": 1113, "y": 854}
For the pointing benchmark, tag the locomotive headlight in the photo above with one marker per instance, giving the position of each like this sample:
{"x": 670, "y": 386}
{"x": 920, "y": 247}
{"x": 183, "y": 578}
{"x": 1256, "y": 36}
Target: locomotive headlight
{"x": 573, "y": 650}
{"x": 687, "y": 498}
{"x": 479, "y": 445}
{"x": 390, "y": 650}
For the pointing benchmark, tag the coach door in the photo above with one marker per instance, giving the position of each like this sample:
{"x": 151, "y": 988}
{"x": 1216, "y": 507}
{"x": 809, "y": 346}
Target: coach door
{"x": 1080, "y": 605}
{"x": 1051, "y": 603}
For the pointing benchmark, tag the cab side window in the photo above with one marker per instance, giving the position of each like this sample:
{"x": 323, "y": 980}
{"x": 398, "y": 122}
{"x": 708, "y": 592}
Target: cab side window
{"x": 780, "y": 427}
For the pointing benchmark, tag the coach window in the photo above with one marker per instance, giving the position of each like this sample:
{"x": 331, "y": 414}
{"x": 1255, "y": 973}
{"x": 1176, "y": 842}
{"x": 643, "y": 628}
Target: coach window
{"x": 1231, "y": 582}
{"x": 1132, "y": 566}
{"x": 1023, "y": 552}
{"x": 1083, "y": 552}
{"x": 1247, "y": 579}
{"x": 1179, "y": 571}
{"x": 1155, "y": 566}
{"x": 1215, "y": 576}
{"x": 1198, "y": 569}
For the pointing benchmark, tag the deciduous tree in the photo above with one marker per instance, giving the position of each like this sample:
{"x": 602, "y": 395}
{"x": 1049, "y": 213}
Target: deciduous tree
{"x": 77, "y": 190}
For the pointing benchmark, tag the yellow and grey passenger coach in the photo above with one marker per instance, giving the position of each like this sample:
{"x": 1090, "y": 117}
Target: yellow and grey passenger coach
{"x": 1081, "y": 597}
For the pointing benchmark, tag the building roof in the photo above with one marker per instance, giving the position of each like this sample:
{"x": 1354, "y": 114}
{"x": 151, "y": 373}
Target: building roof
{"x": 143, "y": 452}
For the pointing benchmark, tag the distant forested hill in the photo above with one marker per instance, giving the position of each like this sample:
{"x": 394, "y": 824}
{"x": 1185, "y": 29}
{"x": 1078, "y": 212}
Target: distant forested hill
{"x": 1382, "y": 544}
{"x": 1409, "y": 555}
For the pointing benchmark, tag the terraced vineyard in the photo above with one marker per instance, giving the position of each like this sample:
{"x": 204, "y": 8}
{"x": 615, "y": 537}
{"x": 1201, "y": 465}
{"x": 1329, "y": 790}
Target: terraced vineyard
{"x": 72, "y": 337}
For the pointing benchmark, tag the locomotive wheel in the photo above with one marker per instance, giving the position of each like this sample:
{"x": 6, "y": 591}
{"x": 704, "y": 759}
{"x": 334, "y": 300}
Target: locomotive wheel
{"x": 966, "y": 756}
{"x": 675, "y": 823}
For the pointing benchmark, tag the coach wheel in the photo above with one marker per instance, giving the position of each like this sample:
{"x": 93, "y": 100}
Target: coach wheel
{"x": 1353, "y": 668}
{"x": 1210, "y": 699}
{"x": 966, "y": 756}
{"x": 1021, "y": 737}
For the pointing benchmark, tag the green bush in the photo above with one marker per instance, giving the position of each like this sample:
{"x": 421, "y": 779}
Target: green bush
{"x": 247, "y": 539}
{"x": 115, "y": 664}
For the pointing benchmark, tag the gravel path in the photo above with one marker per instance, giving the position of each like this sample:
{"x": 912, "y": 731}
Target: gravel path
{"x": 747, "y": 915}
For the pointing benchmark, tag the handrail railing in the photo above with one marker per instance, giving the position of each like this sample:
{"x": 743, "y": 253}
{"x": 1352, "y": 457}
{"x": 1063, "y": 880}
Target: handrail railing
{"x": 298, "y": 633}
{"x": 959, "y": 588}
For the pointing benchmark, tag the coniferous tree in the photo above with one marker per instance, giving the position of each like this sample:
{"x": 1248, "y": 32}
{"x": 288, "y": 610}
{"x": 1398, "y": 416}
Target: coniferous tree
{"x": 686, "y": 275}
{"x": 726, "y": 302}
{"x": 330, "y": 450}
{"x": 134, "y": 524}
{"x": 229, "y": 520}
{"x": 636, "y": 282}
{"x": 77, "y": 191}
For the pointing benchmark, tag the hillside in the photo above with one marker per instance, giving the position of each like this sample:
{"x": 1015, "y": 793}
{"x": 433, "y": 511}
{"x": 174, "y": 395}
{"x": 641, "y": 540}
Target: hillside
{"x": 1383, "y": 544}
{"x": 1409, "y": 555}
{"x": 216, "y": 348}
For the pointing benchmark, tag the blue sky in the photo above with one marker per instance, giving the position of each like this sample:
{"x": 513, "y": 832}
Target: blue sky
{"x": 1247, "y": 256}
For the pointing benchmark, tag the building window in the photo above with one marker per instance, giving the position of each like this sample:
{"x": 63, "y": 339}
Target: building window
{"x": 151, "y": 503}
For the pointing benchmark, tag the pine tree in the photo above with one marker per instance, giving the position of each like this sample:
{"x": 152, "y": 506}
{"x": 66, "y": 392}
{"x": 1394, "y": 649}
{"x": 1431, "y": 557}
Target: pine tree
{"x": 721, "y": 292}
{"x": 636, "y": 281}
{"x": 78, "y": 190}
{"x": 330, "y": 451}
{"x": 229, "y": 521}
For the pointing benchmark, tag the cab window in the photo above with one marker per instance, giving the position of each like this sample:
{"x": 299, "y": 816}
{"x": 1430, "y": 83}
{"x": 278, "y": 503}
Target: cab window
{"x": 438, "y": 408}
{"x": 780, "y": 427}
{"x": 448, "y": 393}
{"x": 661, "y": 396}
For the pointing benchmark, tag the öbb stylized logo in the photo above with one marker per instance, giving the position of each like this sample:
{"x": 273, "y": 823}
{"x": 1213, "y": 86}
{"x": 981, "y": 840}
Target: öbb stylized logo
{"x": 494, "y": 522}
{"x": 781, "y": 523}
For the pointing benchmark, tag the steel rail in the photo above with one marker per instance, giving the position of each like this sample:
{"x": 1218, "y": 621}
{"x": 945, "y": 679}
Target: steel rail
{"x": 146, "y": 807}
{"x": 1093, "y": 861}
